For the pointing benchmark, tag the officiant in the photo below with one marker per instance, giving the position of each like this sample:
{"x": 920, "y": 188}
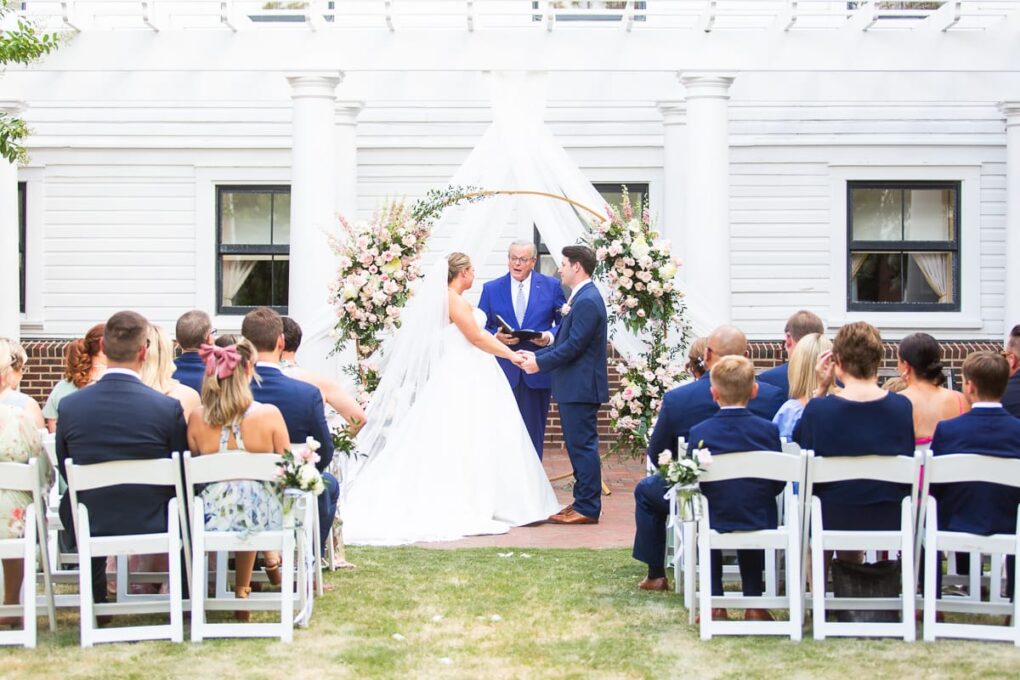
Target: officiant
{"x": 526, "y": 300}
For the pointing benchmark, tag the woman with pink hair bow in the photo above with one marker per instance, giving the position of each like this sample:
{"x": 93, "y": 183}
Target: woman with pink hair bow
{"x": 230, "y": 420}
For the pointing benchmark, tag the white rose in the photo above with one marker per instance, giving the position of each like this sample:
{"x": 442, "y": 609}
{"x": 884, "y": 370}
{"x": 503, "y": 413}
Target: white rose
{"x": 667, "y": 271}
{"x": 665, "y": 457}
{"x": 640, "y": 248}
{"x": 307, "y": 476}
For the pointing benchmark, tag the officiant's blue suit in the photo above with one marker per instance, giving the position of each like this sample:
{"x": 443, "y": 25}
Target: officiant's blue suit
{"x": 542, "y": 313}
{"x": 577, "y": 362}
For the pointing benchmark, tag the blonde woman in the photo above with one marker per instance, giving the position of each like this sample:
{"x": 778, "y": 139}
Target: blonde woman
{"x": 803, "y": 381}
{"x": 158, "y": 371}
{"x": 12, "y": 367}
{"x": 230, "y": 420}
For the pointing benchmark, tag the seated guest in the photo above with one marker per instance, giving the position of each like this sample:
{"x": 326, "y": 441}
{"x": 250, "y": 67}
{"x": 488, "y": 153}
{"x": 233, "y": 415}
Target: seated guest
{"x": 739, "y": 504}
{"x": 920, "y": 366}
{"x": 1011, "y": 399}
{"x": 332, "y": 392}
{"x": 863, "y": 419}
{"x": 300, "y": 403}
{"x": 158, "y": 371}
{"x": 193, "y": 330}
{"x": 229, "y": 419}
{"x": 119, "y": 418}
{"x": 20, "y": 437}
{"x": 683, "y": 408}
{"x": 696, "y": 358}
{"x": 84, "y": 363}
{"x": 803, "y": 380}
{"x": 12, "y": 367}
{"x": 987, "y": 429}
{"x": 797, "y": 326}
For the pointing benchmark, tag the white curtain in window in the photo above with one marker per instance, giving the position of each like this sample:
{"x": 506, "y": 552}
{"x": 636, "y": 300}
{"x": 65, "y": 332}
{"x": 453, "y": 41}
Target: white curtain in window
{"x": 235, "y": 272}
{"x": 856, "y": 262}
{"x": 935, "y": 268}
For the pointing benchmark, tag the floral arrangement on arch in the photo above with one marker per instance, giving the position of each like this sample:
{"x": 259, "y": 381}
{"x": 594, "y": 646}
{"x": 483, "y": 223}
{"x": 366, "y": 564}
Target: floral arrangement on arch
{"x": 379, "y": 260}
{"x": 639, "y": 269}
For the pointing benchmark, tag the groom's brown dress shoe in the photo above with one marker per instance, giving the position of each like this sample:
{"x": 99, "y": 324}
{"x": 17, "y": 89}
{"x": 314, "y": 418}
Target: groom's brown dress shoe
{"x": 658, "y": 584}
{"x": 572, "y": 516}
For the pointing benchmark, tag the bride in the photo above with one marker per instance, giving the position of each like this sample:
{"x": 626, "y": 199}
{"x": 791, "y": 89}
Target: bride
{"x": 448, "y": 453}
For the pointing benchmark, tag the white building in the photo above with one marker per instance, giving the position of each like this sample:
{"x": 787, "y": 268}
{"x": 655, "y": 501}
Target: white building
{"x": 860, "y": 159}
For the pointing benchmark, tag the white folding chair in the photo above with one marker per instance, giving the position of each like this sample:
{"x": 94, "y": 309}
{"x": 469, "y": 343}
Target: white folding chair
{"x": 966, "y": 467}
{"x": 766, "y": 465}
{"x": 221, "y": 467}
{"x": 317, "y": 543}
{"x": 164, "y": 472}
{"x": 26, "y": 477}
{"x": 63, "y": 565}
{"x": 895, "y": 469}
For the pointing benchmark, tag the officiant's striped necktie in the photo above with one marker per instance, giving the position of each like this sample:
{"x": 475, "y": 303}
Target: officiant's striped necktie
{"x": 519, "y": 304}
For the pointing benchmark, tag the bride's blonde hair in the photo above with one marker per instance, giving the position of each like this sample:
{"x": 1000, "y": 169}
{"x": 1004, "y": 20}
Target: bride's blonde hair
{"x": 458, "y": 262}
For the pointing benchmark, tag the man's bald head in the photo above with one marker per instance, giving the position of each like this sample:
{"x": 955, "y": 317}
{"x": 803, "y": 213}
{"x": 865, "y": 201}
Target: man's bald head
{"x": 723, "y": 342}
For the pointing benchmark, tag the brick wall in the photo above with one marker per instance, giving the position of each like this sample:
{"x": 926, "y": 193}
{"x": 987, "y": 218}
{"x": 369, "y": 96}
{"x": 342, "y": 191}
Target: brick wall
{"x": 46, "y": 361}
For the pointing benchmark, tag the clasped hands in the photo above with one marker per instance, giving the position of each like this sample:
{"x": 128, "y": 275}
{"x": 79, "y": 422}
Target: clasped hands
{"x": 526, "y": 361}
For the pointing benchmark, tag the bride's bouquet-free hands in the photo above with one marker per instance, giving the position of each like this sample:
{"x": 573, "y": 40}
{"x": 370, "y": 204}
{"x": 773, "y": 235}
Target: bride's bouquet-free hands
{"x": 297, "y": 469}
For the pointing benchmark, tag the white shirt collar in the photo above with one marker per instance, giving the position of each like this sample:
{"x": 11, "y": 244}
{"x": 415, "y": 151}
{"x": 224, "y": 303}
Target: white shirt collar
{"x": 122, "y": 371}
{"x": 579, "y": 286}
{"x": 267, "y": 364}
{"x": 526, "y": 282}
{"x": 986, "y": 404}
{"x": 724, "y": 408}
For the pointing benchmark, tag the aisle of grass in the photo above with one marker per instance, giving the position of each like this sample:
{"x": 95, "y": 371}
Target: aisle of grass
{"x": 413, "y": 612}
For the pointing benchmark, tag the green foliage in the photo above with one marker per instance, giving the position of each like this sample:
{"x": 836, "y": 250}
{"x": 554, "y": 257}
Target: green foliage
{"x": 22, "y": 45}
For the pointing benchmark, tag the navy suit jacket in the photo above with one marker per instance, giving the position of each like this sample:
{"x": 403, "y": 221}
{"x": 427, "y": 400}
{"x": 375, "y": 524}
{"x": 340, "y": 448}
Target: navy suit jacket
{"x": 740, "y": 504}
{"x": 1011, "y": 399}
{"x": 542, "y": 314}
{"x": 778, "y": 376}
{"x": 973, "y": 507}
{"x": 119, "y": 418}
{"x": 686, "y": 406}
{"x": 577, "y": 360}
{"x": 301, "y": 406}
{"x": 190, "y": 370}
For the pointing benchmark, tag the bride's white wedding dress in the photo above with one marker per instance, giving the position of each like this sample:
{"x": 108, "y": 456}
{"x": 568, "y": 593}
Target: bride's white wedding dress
{"x": 458, "y": 463}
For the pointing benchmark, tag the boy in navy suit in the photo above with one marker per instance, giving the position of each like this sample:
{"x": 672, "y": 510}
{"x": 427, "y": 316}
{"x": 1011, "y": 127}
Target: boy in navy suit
{"x": 682, "y": 409}
{"x": 739, "y": 504}
{"x": 987, "y": 429}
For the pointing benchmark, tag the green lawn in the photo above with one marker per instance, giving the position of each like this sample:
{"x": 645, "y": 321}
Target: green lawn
{"x": 412, "y": 612}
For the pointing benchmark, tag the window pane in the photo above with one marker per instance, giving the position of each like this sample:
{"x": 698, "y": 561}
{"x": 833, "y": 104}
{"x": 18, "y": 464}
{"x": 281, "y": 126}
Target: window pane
{"x": 247, "y": 280}
{"x": 21, "y": 245}
{"x": 913, "y": 278}
{"x": 877, "y": 214}
{"x": 281, "y": 218}
{"x": 876, "y": 277}
{"x": 929, "y": 278}
{"x": 281, "y": 280}
{"x": 929, "y": 214}
{"x": 245, "y": 217}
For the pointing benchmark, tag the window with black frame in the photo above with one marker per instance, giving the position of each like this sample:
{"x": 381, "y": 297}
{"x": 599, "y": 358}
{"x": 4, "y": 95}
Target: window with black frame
{"x": 903, "y": 246}
{"x": 549, "y": 263}
{"x": 253, "y": 248}
{"x": 22, "y": 248}
{"x": 590, "y": 10}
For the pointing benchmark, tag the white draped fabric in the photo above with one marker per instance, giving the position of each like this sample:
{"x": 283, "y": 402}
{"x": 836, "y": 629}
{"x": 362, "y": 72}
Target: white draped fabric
{"x": 935, "y": 268}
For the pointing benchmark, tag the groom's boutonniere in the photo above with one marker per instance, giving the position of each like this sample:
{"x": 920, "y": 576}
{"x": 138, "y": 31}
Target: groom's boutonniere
{"x": 565, "y": 309}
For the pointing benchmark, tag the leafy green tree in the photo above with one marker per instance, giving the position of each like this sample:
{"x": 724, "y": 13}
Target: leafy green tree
{"x": 21, "y": 45}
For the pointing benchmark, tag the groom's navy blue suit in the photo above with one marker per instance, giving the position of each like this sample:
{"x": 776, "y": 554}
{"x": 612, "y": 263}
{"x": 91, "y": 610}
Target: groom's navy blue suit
{"x": 544, "y": 301}
{"x": 580, "y": 383}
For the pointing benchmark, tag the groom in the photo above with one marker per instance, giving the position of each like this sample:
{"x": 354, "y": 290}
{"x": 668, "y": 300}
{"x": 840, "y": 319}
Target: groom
{"x": 580, "y": 381}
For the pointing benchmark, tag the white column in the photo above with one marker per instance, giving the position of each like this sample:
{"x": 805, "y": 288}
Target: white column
{"x": 313, "y": 213}
{"x": 10, "y": 282}
{"x": 674, "y": 186}
{"x": 1012, "y": 311}
{"x": 707, "y": 223}
{"x": 345, "y": 141}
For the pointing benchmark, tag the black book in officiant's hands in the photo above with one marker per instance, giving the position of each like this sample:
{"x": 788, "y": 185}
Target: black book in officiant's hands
{"x": 522, "y": 334}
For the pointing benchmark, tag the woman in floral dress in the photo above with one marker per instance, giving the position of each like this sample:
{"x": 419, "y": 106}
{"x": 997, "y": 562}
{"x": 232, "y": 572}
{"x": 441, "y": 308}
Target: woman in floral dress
{"x": 230, "y": 420}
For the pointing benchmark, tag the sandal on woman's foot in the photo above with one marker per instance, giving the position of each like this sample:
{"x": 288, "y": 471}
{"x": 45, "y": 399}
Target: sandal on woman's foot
{"x": 271, "y": 565}
{"x": 242, "y": 593}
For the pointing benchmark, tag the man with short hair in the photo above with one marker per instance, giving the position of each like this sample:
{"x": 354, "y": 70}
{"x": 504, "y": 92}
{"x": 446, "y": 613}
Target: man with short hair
{"x": 800, "y": 324}
{"x": 987, "y": 429}
{"x": 683, "y": 408}
{"x": 194, "y": 329}
{"x": 1011, "y": 399}
{"x": 299, "y": 402}
{"x": 528, "y": 300}
{"x": 120, "y": 418}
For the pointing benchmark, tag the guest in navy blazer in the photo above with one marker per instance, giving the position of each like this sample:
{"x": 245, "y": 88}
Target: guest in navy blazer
{"x": 525, "y": 299}
{"x": 119, "y": 418}
{"x": 863, "y": 419}
{"x": 739, "y": 504}
{"x": 682, "y": 409}
{"x": 193, "y": 330}
{"x": 989, "y": 430}
{"x": 1011, "y": 399}
{"x": 797, "y": 326}
{"x": 299, "y": 402}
